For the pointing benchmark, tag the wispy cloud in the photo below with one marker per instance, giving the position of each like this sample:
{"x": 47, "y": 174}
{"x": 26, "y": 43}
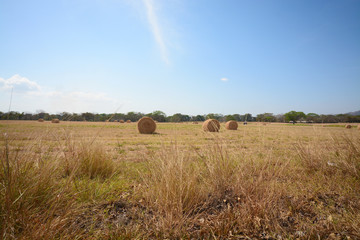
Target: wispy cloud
{"x": 155, "y": 28}
{"x": 224, "y": 79}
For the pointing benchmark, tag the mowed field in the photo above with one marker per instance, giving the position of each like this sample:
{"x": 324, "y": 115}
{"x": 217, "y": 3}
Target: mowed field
{"x": 85, "y": 180}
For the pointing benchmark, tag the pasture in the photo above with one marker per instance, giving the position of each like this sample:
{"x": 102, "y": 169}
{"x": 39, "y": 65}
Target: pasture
{"x": 87, "y": 180}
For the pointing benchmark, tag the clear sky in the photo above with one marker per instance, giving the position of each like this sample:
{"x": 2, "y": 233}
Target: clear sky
{"x": 187, "y": 56}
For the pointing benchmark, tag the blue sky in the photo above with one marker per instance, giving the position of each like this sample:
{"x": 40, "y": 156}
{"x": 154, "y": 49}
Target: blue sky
{"x": 192, "y": 57}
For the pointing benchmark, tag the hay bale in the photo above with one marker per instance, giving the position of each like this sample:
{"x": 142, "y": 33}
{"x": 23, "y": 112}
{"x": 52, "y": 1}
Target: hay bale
{"x": 211, "y": 125}
{"x": 348, "y": 126}
{"x": 128, "y": 121}
{"x": 358, "y": 127}
{"x": 231, "y": 125}
{"x": 55, "y": 120}
{"x": 40, "y": 120}
{"x": 121, "y": 121}
{"x": 146, "y": 125}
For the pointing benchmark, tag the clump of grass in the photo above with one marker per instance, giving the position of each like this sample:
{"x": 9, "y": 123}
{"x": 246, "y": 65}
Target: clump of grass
{"x": 30, "y": 191}
{"x": 341, "y": 155}
{"x": 212, "y": 191}
{"x": 172, "y": 187}
{"x": 87, "y": 159}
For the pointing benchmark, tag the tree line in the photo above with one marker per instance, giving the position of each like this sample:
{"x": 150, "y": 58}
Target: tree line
{"x": 292, "y": 116}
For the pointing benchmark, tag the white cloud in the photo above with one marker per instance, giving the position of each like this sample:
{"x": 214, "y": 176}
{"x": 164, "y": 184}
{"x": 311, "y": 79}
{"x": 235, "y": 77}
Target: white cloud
{"x": 224, "y": 79}
{"x": 18, "y": 83}
{"x": 155, "y": 28}
{"x": 33, "y": 96}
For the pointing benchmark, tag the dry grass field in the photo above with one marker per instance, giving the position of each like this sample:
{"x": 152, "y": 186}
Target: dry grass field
{"x": 85, "y": 180}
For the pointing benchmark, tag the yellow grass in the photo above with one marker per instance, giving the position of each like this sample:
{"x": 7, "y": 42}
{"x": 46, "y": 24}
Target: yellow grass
{"x": 81, "y": 180}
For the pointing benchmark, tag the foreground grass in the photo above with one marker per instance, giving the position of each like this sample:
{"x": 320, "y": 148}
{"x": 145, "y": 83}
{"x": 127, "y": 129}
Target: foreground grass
{"x": 105, "y": 181}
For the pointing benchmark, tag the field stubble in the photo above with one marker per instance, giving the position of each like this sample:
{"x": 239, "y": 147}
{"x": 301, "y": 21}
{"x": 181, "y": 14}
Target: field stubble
{"x": 106, "y": 181}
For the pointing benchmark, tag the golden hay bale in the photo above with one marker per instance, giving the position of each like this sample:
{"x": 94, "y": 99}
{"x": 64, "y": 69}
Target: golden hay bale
{"x": 358, "y": 127}
{"x": 55, "y": 120}
{"x": 348, "y": 126}
{"x": 211, "y": 125}
{"x": 146, "y": 125}
{"x": 121, "y": 121}
{"x": 40, "y": 120}
{"x": 231, "y": 125}
{"x": 128, "y": 121}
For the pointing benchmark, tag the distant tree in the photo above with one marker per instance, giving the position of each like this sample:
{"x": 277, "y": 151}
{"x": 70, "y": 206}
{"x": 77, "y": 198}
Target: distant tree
{"x": 40, "y": 114}
{"x": 158, "y": 116}
{"x": 312, "y": 117}
{"x": 216, "y": 116}
{"x": 178, "y": 117}
{"x": 248, "y": 117}
{"x": 280, "y": 118}
{"x": 12, "y": 115}
{"x": 328, "y": 118}
{"x": 133, "y": 116}
{"x": 294, "y": 116}
{"x": 102, "y": 117}
{"x": 65, "y": 116}
{"x": 199, "y": 118}
{"x": 229, "y": 118}
{"x": 87, "y": 116}
{"x": 237, "y": 117}
{"x": 119, "y": 116}
{"x": 78, "y": 117}
{"x": 265, "y": 117}
{"x": 26, "y": 116}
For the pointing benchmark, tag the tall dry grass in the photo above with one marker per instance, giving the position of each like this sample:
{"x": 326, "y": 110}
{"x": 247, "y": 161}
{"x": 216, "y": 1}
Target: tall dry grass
{"x": 220, "y": 192}
{"x": 87, "y": 159}
{"x": 37, "y": 195}
{"x": 31, "y": 194}
{"x": 340, "y": 156}
{"x": 215, "y": 191}
{"x": 224, "y": 189}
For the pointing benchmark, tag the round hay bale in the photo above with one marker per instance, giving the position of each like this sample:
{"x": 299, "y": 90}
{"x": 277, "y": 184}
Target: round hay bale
{"x": 128, "y": 121}
{"x": 146, "y": 125}
{"x": 211, "y": 125}
{"x": 55, "y": 120}
{"x": 231, "y": 125}
{"x": 358, "y": 127}
{"x": 348, "y": 126}
{"x": 40, "y": 120}
{"x": 121, "y": 121}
